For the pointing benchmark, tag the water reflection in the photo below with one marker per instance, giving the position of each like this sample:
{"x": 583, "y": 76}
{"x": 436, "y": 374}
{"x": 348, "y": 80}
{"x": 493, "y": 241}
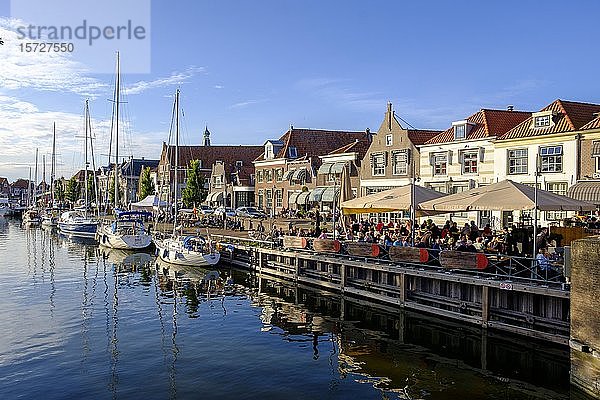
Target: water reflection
{"x": 413, "y": 355}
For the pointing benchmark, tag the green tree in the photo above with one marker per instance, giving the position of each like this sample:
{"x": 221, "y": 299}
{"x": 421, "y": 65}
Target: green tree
{"x": 146, "y": 185}
{"x": 72, "y": 190}
{"x": 194, "y": 192}
{"x": 59, "y": 191}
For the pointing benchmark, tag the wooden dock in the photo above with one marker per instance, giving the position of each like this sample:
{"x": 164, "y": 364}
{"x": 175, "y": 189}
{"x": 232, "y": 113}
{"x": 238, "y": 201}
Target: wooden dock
{"x": 537, "y": 310}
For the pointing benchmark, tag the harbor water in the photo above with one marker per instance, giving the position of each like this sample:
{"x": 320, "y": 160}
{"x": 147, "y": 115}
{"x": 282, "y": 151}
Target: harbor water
{"x": 82, "y": 322}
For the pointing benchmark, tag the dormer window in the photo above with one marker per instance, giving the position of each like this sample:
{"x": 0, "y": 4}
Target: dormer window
{"x": 461, "y": 129}
{"x": 269, "y": 151}
{"x": 292, "y": 152}
{"x": 239, "y": 164}
{"x": 460, "y": 132}
{"x": 542, "y": 121}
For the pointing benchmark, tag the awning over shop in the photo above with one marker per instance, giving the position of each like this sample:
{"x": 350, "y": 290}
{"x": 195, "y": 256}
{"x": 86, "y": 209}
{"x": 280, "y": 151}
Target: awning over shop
{"x": 213, "y": 197}
{"x": 585, "y": 191}
{"x": 596, "y": 149}
{"x": 299, "y": 174}
{"x": 288, "y": 174}
{"x": 332, "y": 168}
{"x": 329, "y": 194}
{"x": 325, "y": 168}
{"x": 294, "y": 197}
{"x": 302, "y": 197}
{"x": 337, "y": 167}
{"x": 317, "y": 194}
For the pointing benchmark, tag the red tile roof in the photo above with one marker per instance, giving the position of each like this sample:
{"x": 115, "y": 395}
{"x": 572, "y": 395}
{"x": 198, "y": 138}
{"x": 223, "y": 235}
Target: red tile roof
{"x": 488, "y": 123}
{"x": 420, "y": 136}
{"x": 208, "y": 155}
{"x": 20, "y": 184}
{"x": 568, "y": 116}
{"x": 359, "y": 146}
{"x": 593, "y": 124}
{"x": 315, "y": 142}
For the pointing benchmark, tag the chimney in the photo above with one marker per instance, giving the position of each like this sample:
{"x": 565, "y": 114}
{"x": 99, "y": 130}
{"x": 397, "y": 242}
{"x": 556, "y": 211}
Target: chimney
{"x": 510, "y": 107}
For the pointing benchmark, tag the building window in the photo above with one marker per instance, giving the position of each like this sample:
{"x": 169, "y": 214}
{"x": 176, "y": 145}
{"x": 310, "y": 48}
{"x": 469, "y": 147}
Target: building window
{"x": 551, "y": 159}
{"x": 268, "y": 175}
{"x": 558, "y": 188}
{"x": 378, "y": 167}
{"x": 597, "y": 162}
{"x": 389, "y": 140}
{"x": 239, "y": 164}
{"x": 470, "y": 162}
{"x": 279, "y": 198}
{"x": 279, "y": 174}
{"x": 259, "y": 176}
{"x": 292, "y": 152}
{"x": 460, "y": 131}
{"x": 269, "y": 195}
{"x": 400, "y": 162}
{"x": 542, "y": 121}
{"x": 517, "y": 161}
{"x": 261, "y": 198}
{"x": 440, "y": 163}
{"x": 269, "y": 151}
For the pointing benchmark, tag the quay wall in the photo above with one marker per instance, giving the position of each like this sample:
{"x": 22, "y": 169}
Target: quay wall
{"x": 585, "y": 315}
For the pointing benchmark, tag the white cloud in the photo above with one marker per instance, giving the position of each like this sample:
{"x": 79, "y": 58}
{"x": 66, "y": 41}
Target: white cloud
{"x": 48, "y": 71}
{"x": 176, "y": 78}
{"x": 246, "y": 103}
{"x": 218, "y": 86}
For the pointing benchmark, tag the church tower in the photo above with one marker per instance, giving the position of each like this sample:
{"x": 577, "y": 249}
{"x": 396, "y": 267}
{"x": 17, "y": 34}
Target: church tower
{"x": 206, "y": 141}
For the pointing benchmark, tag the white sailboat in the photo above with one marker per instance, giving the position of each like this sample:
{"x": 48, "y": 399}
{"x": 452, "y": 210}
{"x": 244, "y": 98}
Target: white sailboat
{"x": 77, "y": 223}
{"x": 49, "y": 218}
{"x": 127, "y": 231}
{"x": 190, "y": 250}
{"x": 31, "y": 216}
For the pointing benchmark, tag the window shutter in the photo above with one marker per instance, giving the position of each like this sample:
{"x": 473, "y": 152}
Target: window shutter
{"x": 481, "y": 154}
{"x": 371, "y": 159}
{"x": 449, "y": 157}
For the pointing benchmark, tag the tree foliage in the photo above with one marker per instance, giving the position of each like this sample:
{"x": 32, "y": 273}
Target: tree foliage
{"x": 194, "y": 192}
{"x": 72, "y": 190}
{"x": 59, "y": 191}
{"x": 146, "y": 185}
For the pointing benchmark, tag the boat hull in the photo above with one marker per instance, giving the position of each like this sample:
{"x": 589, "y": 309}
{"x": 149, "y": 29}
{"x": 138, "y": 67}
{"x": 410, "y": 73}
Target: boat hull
{"x": 107, "y": 238}
{"x": 86, "y": 230}
{"x": 173, "y": 252}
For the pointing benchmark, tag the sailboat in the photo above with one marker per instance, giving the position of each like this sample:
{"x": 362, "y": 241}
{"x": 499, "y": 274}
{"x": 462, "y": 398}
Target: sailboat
{"x": 127, "y": 231}
{"x": 77, "y": 223}
{"x": 31, "y": 216}
{"x": 50, "y": 219}
{"x": 177, "y": 248}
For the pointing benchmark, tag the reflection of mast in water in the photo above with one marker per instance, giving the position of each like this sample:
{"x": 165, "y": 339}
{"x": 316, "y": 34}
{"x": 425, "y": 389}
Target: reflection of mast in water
{"x": 112, "y": 322}
{"x": 51, "y": 265}
{"x": 84, "y": 313}
{"x": 172, "y": 373}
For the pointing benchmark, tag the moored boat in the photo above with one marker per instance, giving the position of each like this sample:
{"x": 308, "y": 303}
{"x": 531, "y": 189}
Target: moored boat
{"x": 126, "y": 232}
{"x": 76, "y": 223}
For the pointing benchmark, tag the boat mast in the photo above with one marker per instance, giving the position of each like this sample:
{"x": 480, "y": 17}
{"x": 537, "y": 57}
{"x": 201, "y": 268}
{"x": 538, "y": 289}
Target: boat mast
{"x": 87, "y": 111}
{"x": 118, "y": 83}
{"x": 29, "y": 190}
{"x": 35, "y": 179}
{"x": 176, "y": 154}
{"x": 52, "y": 171}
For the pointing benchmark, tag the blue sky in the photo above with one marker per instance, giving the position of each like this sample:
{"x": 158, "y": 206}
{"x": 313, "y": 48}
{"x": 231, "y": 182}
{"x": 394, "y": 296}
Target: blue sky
{"x": 250, "y": 69}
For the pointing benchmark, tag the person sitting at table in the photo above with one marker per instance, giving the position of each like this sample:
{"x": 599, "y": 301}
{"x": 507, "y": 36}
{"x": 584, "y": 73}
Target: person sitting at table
{"x": 478, "y": 244}
{"x": 544, "y": 266}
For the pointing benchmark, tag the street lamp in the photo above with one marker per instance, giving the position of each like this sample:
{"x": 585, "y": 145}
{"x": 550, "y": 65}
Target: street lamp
{"x": 535, "y": 202}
